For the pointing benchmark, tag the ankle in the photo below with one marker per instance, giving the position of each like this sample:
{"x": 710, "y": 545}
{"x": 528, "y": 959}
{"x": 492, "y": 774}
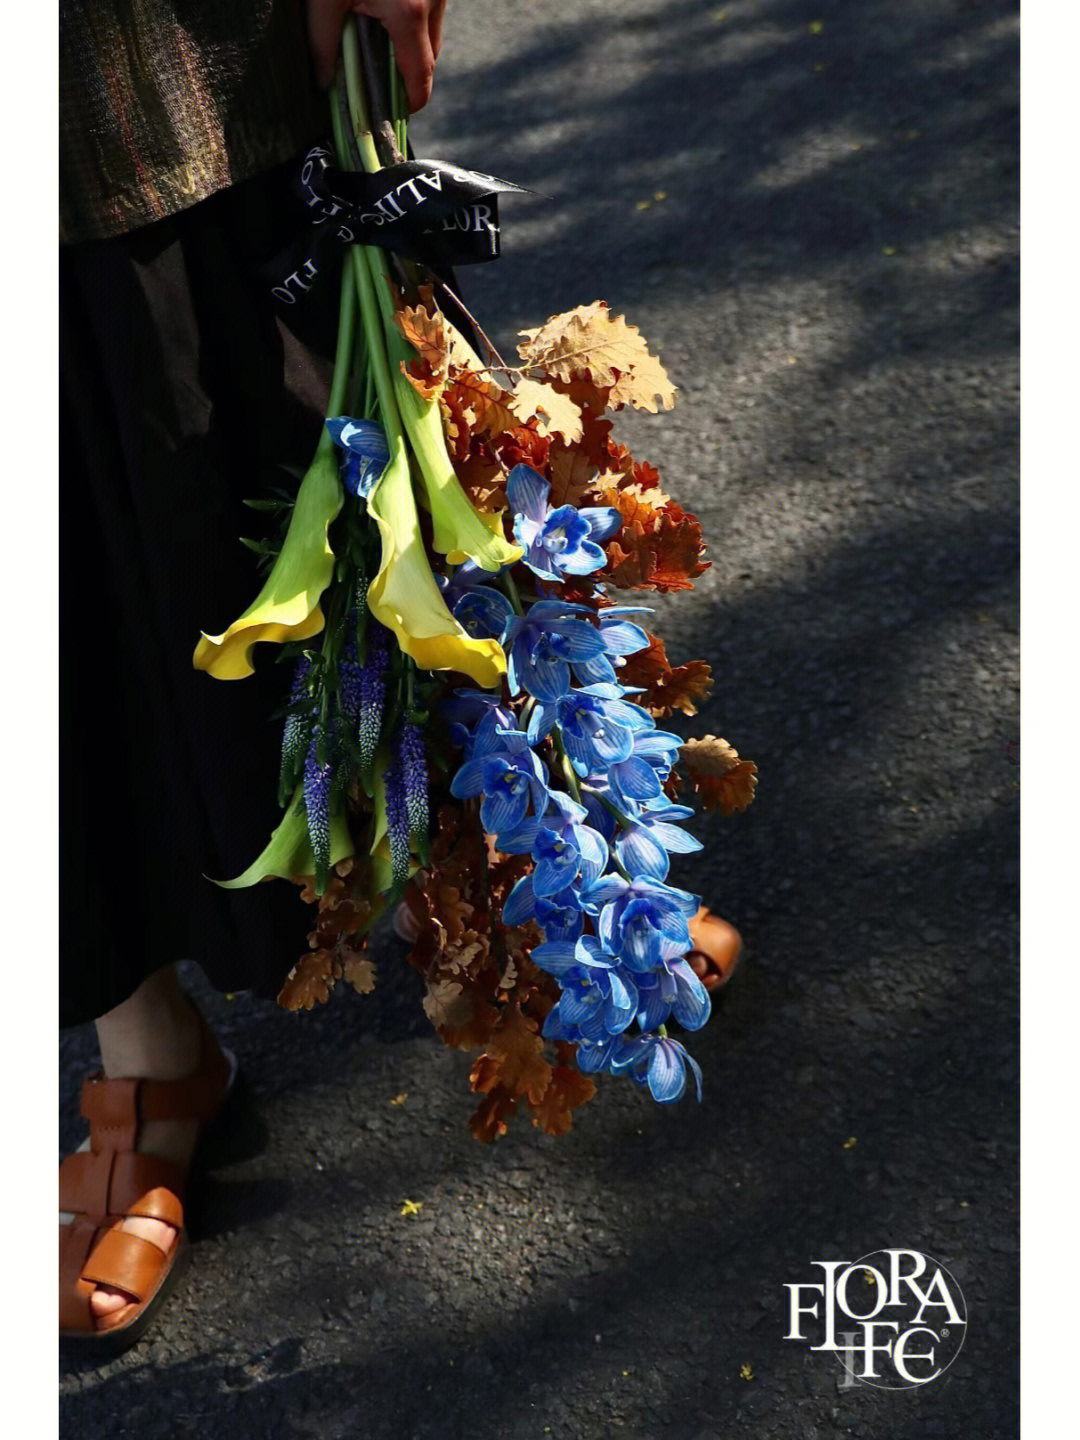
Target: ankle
{"x": 155, "y": 1034}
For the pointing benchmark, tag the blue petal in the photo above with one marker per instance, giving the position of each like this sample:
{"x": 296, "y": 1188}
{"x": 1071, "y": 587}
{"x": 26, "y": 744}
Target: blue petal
{"x": 520, "y": 904}
{"x": 501, "y": 810}
{"x": 557, "y": 957}
{"x": 484, "y": 613}
{"x": 622, "y": 637}
{"x": 527, "y": 491}
{"x": 675, "y": 840}
{"x": 469, "y": 780}
{"x": 583, "y": 559}
{"x": 640, "y": 854}
{"x": 692, "y": 1003}
{"x": 636, "y": 779}
{"x": 603, "y": 520}
{"x": 546, "y": 679}
{"x": 666, "y": 1073}
{"x": 654, "y": 1009}
{"x": 578, "y": 641}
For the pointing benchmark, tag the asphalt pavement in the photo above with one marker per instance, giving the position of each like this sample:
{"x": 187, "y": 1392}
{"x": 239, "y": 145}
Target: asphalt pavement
{"x": 810, "y": 211}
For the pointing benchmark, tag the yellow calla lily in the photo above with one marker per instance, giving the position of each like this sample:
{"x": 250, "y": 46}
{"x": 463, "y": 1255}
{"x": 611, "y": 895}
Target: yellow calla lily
{"x": 404, "y": 596}
{"x": 460, "y": 532}
{"x": 287, "y": 607}
{"x": 288, "y": 853}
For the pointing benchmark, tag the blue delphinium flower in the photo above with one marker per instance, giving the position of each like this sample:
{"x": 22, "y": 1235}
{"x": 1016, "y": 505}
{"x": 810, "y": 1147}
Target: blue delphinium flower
{"x": 653, "y": 1060}
{"x": 559, "y": 916}
{"x": 541, "y": 645}
{"x": 621, "y": 638}
{"x": 637, "y": 916}
{"x": 366, "y": 453}
{"x": 597, "y": 726}
{"x": 644, "y": 847}
{"x": 486, "y": 614}
{"x": 557, "y": 542}
{"x": 639, "y": 776}
{"x": 562, "y": 845}
{"x": 509, "y": 783}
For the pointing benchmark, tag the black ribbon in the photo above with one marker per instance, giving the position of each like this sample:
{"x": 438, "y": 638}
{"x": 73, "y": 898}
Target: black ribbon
{"x": 425, "y": 210}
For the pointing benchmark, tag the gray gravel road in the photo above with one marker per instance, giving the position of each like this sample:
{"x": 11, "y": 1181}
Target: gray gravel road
{"x": 810, "y": 208}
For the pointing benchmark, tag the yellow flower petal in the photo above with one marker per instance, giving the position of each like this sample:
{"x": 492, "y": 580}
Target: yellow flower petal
{"x": 288, "y": 854}
{"x": 404, "y": 596}
{"x": 287, "y": 607}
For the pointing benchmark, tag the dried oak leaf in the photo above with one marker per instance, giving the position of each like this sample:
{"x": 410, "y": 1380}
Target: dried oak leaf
{"x": 567, "y": 1089}
{"x": 524, "y": 445}
{"x": 655, "y": 549}
{"x": 555, "y": 414}
{"x": 357, "y": 970}
{"x": 518, "y": 1052}
{"x": 591, "y": 343}
{"x": 444, "y": 1004}
{"x": 490, "y": 1118}
{"x": 665, "y": 687}
{"x": 424, "y": 379}
{"x": 717, "y": 774}
{"x": 309, "y": 982}
{"x": 486, "y": 406}
{"x": 476, "y": 1031}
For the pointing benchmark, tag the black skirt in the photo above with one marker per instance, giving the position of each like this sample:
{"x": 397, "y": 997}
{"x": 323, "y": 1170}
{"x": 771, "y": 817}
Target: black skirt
{"x": 183, "y": 393}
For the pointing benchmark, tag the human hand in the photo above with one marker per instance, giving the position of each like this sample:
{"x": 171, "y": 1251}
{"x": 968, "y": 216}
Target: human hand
{"x": 414, "y": 26}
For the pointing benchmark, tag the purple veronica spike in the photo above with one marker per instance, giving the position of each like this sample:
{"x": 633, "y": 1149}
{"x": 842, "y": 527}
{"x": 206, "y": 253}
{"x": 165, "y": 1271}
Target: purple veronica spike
{"x": 297, "y": 731}
{"x": 372, "y": 696}
{"x": 317, "y": 782}
{"x": 415, "y": 779}
{"x": 397, "y": 822}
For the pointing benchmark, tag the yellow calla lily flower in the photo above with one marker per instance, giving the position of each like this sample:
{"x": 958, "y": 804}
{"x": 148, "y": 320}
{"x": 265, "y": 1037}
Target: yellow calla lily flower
{"x": 288, "y": 853}
{"x": 460, "y": 533}
{"x": 287, "y": 607}
{"x": 404, "y": 596}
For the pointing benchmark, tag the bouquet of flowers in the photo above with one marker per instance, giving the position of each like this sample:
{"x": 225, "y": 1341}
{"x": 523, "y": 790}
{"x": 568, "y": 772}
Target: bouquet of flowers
{"x": 472, "y": 731}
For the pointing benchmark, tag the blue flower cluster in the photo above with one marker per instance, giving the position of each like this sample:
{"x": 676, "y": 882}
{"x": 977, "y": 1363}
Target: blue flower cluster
{"x": 593, "y": 814}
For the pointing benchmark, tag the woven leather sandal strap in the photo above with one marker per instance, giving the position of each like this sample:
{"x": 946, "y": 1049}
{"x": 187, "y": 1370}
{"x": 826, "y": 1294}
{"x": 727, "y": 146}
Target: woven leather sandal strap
{"x": 126, "y": 1262}
{"x": 122, "y": 1183}
{"x": 116, "y": 1108}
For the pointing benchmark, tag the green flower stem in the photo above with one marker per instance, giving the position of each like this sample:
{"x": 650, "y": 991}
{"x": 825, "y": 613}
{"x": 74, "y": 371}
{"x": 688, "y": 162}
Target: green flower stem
{"x": 509, "y": 585}
{"x": 342, "y": 360}
{"x": 354, "y": 88}
{"x": 624, "y": 820}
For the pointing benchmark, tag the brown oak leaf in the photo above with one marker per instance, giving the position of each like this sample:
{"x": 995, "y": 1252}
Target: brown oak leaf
{"x": 555, "y": 414}
{"x": 444, "y": 1004}
{"x": 665, "y": 687}
{"x": 662, "y": 553}
{"x": 519, "y": 1052}
{"x": 591, "y": 343}
{"x": 490, "y": 1118}
{"x": 357, "y": 970}
{"x": 717, "y": 774}
{"x": 567, "y": 1090}
{"x": 309, "y": 982}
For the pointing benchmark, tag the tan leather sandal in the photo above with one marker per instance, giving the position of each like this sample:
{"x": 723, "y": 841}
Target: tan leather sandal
{"x": 717, "y": 947}
{"x": 111, "y": 1181}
